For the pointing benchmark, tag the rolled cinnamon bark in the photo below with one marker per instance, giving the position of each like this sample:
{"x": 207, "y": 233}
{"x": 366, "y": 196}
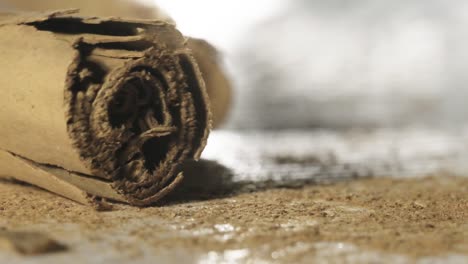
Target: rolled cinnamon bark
{"x": 107, "y": 8}
{"x": 208, "y": 58}
{"x": 217, "y": 83}
{"x": 98, "y": 107}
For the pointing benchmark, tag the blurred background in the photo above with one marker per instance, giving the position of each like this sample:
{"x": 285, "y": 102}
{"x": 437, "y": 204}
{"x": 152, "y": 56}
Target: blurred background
{"x": 335, "y": 64}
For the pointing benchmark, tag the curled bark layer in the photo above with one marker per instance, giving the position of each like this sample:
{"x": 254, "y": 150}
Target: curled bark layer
{"x": 218, "y": 85}
{"x": 109, "y": 107}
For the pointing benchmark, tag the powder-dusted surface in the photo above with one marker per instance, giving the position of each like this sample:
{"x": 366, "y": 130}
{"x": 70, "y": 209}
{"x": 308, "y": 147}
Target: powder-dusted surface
{"x": 361, "y": 219}
{"x": 278, "y": 213}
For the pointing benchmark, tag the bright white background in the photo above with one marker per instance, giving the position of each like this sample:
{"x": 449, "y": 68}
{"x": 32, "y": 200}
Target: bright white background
{"x": 218, "y": 21}
{"x": 337, "y": 63}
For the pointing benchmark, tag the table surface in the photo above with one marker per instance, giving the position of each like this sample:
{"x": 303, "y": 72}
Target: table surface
{"x": 385, "y": 196}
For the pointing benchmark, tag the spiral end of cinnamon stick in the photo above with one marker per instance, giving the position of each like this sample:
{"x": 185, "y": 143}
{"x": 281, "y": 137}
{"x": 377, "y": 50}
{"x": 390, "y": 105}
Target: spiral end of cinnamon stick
{"x": 137, "y": 106}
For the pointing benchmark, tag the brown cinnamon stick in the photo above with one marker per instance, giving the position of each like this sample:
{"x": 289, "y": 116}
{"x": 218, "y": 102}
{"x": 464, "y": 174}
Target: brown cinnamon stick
{"x": 208, "y": 58}
{"x": 98, "y": 107}
{"x": 103, "y": 8}
{"x": 217, "y": 82}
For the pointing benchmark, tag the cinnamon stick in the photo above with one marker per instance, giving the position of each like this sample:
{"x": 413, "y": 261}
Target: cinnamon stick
{"x": 98, "y": 107}
{"x": 217, "y": 82}
{"x": 216, "y": 79}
